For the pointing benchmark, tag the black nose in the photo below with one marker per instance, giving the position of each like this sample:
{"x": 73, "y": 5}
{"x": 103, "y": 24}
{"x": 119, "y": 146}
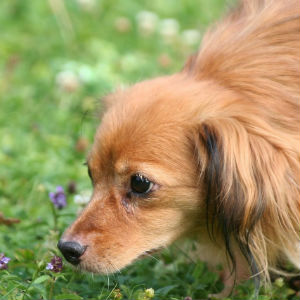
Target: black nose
{"x": 71, "y": 251}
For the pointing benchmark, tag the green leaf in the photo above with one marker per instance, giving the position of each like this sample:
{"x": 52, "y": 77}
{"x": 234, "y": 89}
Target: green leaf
{"x": 198, "y": 271}
{"x": 67, "y": 297}
{"x": 41, "y": 279}
{"x": 10, "y": 277}
{"x": 165, "y": 290}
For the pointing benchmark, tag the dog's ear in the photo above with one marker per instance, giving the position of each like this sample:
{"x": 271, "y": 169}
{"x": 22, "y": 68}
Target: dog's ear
{"x": 249, "y": 172}
{"x": 234, "y": 201}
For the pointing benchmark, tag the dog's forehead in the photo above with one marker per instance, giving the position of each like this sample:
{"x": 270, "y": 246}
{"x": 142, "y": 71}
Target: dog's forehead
{"x": 143, "y": 126}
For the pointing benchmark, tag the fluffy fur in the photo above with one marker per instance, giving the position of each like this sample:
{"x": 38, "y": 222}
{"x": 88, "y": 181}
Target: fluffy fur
{"x": 220, "y": 141}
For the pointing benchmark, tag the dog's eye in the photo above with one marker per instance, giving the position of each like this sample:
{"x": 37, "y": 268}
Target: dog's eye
{"x": 90, "y": 173}
{"x": 89, "y": 170}
{"x": 140, "y": 184}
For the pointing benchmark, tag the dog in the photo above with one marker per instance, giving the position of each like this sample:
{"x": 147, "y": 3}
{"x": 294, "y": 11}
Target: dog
{"x": 210, "y": 152}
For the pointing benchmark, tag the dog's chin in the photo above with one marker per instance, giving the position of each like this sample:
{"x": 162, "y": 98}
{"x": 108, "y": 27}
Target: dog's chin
{"x": 102, "y": 267}
{"x": 110, "y": 266}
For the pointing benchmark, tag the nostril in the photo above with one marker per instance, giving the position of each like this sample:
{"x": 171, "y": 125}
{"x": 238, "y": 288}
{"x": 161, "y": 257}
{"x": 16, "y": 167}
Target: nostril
{"x": 72, "y": 251}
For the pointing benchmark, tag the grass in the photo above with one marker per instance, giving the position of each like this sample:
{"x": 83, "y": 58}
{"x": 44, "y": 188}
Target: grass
{"x": 57, "y": 59}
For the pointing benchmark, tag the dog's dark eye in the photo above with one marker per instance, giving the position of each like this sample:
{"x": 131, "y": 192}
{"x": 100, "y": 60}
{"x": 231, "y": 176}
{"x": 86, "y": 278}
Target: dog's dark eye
{"x": 90, "y": 173}
{"x": 140, "y": 184}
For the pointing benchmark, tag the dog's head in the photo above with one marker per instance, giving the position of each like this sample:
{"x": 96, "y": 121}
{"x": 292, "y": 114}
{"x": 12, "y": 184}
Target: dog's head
{"x": 155, "y": 167}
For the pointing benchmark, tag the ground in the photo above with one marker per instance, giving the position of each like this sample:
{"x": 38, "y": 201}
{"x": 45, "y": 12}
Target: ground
{"x": 57, "y": 59}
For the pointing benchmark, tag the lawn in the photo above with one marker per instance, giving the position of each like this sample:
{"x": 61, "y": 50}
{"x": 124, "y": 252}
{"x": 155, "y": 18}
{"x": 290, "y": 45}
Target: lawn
{"x": 57, "y": 59}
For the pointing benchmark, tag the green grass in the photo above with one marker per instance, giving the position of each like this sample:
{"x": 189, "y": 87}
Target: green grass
{"x": 43, "y": 124}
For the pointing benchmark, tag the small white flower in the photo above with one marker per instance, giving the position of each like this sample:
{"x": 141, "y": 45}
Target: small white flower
{"x": 67, "y": 81}
{"x": 191, "y": 37}
{"x": 169, "y": 29}
{"x": 83, "y": 198}
{"x": 87, "y": 5}
{"x": 147, "y": 22}
{"x": 86, "y": 73}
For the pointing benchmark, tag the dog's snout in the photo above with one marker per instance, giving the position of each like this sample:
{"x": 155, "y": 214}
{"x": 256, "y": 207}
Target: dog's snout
{"x": 72, "y": 251}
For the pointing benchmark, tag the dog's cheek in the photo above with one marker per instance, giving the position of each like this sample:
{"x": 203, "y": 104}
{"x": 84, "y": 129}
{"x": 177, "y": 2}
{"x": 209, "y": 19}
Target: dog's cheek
{"x": 115, "y": 248}
{"x": 162, "y": 226}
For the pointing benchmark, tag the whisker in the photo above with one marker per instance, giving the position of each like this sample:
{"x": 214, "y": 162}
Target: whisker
{"x": 184, "y": 253}
{"x": 107, "y": 277}
{"x": 149, "y": 255}
{"x": 114, "y": 267}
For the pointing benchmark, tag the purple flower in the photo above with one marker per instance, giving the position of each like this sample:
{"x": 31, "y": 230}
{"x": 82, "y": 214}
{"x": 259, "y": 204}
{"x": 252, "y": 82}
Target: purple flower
{"x": 3, "y": 261}
{"x": 58, "y": 198}
{"x": 55, "y": 265}
{"x": 49, "y": 266}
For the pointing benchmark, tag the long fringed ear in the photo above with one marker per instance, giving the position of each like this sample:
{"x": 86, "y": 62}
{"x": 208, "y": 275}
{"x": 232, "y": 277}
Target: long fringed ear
{"x": 250, "y": 173}
{"x": 234, "y": 201}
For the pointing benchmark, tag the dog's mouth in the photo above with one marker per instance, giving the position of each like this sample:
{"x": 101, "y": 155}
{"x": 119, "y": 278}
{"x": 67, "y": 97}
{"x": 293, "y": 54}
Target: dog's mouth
{"x": 108, "y": 266}
{"x": 148, "y": 253}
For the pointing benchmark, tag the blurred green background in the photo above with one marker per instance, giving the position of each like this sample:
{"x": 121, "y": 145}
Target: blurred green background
{"x": 57, "y": 59}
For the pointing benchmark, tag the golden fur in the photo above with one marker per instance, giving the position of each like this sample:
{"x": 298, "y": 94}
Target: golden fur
{"x": 220, "y": 140}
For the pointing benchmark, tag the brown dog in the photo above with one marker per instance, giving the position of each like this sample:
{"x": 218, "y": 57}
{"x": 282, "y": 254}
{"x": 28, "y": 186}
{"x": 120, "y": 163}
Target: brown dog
{"x": 212, "y": 151}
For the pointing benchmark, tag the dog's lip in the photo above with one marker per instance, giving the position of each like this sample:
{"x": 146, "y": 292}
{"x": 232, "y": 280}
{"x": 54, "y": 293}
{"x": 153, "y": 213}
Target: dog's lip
{"x": 73, "y": 260}
{"x": 148, "y": 253}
